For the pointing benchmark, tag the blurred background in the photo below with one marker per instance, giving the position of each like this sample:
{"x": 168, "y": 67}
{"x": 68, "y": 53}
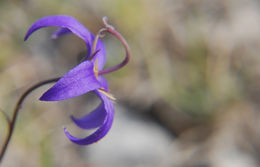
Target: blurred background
{"x": 188, "y": 98}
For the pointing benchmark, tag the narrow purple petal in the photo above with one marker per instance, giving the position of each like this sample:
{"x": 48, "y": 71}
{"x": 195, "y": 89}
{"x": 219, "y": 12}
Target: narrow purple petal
{"x": 68, "y": 24}
{"x": 103, "y": 82}
{"x": 59, "y": 32}
{"x": 65, "y": 22}
{"x": 92, "y": 120}
{"x": 102, "y": 130}
{"x": 77, "y": 81}
{"x": 61, "y": 21}
{"x": 101, "y": 54}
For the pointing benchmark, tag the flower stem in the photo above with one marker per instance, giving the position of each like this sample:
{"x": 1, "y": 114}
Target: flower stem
{"x": 109, "y": 28}
{"x": 16, "y": 111}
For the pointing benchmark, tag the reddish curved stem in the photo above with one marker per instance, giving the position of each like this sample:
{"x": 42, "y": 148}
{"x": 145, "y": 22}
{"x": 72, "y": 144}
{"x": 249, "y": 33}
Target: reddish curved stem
{"x": 112, "y": 31}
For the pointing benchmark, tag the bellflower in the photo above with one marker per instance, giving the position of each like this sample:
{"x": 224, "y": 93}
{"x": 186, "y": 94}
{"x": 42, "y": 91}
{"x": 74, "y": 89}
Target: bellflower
{"x": 85, "y": 77}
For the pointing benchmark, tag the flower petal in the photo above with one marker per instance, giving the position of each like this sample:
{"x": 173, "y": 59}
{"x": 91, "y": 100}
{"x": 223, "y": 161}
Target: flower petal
{"x": 92, "y": 120}
{"x": 102, "y": 130}
{"x": 68, "y": 24}
{"x": 62, "y": 21}
{"x": 77, "y": 81}
{"x": 101, "y": 54}
{"x": 103, "y": 82}
{"x": 59, "y": 32}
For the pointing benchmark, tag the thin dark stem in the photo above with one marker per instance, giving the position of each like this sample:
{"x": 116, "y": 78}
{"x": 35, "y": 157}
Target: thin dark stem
{"x": 112, "y": 31}
{"x": 16, "y": 111}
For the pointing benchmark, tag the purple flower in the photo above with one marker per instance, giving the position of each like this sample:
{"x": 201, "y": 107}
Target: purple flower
{"x": 85, "y": 77}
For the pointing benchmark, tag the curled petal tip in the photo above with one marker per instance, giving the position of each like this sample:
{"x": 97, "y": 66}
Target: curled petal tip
{"x": 42, "y": 98}
{"x": 65, "y": 129}
{"x": 46, "y": 97}
{"x": 25, "y": 37}
{"x": 67, "y": 132}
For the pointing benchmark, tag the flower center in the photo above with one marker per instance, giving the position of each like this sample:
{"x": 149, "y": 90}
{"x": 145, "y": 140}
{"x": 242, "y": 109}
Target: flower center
{"x": 102, "y": 90}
